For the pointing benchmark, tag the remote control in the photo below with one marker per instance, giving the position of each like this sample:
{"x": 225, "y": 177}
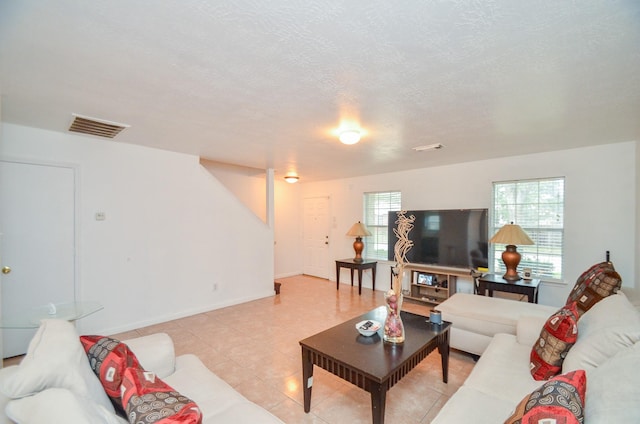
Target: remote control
{"x": 366, "y": 325}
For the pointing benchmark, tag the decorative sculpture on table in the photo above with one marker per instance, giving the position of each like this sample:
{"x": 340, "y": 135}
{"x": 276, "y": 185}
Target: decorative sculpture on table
{"x": 393, "y": 327}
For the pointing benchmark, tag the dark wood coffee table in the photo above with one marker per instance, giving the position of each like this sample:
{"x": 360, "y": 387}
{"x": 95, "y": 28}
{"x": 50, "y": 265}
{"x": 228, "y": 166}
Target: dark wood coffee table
{"x": 368, "y": 362}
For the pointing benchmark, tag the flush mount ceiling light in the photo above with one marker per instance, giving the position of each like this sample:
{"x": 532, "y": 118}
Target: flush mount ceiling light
{"x": 435, "y": 146}
{"x": 349, "y": 136}
{"x": 291, "y": 179}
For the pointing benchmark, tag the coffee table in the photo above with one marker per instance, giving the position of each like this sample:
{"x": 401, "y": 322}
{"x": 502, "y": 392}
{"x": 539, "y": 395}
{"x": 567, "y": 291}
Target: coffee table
{"x": 369, "y": 362}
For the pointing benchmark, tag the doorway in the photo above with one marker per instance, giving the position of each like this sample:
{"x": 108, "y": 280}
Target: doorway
{"x": 315, "y": 234}
{"x": 37, "y": 219}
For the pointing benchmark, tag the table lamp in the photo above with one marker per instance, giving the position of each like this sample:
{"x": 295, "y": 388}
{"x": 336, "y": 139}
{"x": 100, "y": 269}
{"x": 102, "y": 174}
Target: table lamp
{"x": 511, "y": 235}
{"x": 358, "y": 230}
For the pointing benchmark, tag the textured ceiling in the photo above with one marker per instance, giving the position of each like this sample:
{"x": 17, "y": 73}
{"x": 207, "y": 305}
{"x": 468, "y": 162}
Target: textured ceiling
{"x": 264, "y": 84}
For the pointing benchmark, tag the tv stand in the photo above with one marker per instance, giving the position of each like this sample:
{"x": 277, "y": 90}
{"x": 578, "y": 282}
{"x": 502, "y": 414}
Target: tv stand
{"x": 433, "y": 284}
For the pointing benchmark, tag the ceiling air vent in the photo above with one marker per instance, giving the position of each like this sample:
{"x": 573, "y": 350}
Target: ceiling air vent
{"x": 94, "y": 126}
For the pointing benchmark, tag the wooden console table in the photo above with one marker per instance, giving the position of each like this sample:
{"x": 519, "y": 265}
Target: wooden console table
{"x": 360, "y": 266}
{"x": 490, "y": 282}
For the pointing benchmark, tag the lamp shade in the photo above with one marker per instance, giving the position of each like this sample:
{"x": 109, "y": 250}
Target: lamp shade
{"x": 358, "y": 230}
{"x": 511, "y": 234}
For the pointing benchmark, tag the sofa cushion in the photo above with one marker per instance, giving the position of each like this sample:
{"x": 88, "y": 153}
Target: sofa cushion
{"x": 611, "y": 325}
{"x": 558, "y": 334}
{"x": 108, "y": 359}
{"x": 55, "y": 359}
{"x": 215, "y": 397}
{"x": 503, "y": 371}
{"x": 476, "y": 319}
{"x": 155, "y": 352}
{"x": 468, "y": 405}
{"x": 614, "y": 389}
{"x": 528, "y": 329}
{"x": 148, "y": 399}
{"x": 596, "y": 283}
{"x": 59, "y": 406}
{"x": 559, "y": 400}
{"x": 488, "y": 315}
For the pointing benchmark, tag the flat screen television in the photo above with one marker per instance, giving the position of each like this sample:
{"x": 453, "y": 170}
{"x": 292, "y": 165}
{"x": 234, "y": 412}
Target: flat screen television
{"x": 455, "y": 238}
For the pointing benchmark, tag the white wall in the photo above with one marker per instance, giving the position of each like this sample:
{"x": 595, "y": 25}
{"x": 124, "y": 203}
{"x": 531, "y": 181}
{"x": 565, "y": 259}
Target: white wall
{"x": 247, "y": 184}
{"x": 171, "y": 232}
{"x": 637, "y": 232}
{"x": 600, "y": 204}
{"x": 288, "y": 230}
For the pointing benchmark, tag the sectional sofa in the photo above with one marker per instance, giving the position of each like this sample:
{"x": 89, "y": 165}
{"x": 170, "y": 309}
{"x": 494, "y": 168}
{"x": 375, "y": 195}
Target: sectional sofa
{"x": 56, "y": 383}
{"x": 599, "y": 379}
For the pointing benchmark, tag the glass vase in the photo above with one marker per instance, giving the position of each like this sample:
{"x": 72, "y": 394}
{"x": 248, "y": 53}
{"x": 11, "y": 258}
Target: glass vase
{"x": 393, "y": 327}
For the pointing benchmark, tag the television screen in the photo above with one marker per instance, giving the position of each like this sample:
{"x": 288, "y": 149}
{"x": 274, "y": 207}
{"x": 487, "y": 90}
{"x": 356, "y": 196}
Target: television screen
{"x": 456, "y": 237}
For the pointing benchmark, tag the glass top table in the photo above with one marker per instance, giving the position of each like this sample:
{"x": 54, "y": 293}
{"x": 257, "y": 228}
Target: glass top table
{"x": 31, "y": 318}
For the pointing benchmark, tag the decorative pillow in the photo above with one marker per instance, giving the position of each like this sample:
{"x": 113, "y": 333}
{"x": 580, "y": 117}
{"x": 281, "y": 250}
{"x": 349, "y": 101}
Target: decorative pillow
{"x": 147, "y": 399}
{"x": 59, "y": 406}
{"x": 559, "y": 400}
{"x": 55, "y": 359}
{"x": 596, "y": 283}
{"x": 557, "y": 336}
{"x": 108, "y": 359}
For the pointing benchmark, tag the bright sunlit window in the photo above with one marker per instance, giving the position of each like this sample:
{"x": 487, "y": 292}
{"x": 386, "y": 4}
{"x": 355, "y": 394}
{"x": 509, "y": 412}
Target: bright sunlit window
{"x": 538, "y": 207}
{"x": 376, "y": 217}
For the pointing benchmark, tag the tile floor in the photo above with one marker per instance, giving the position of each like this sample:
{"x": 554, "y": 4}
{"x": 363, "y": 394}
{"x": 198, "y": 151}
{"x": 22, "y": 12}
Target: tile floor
{"x": 254, "y": 347}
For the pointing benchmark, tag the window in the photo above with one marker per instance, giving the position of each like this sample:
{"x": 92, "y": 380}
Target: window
{"x": 538, "y": 207}
{"x": 376, "y": 216}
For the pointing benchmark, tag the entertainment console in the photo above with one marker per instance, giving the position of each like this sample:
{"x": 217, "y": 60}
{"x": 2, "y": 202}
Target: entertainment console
{"x": 431, "y": 284}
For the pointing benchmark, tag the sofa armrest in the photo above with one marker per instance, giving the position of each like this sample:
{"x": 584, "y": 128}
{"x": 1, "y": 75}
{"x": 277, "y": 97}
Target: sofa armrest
{"x": 155, "y": 353}
{"x": 528, "y": 329}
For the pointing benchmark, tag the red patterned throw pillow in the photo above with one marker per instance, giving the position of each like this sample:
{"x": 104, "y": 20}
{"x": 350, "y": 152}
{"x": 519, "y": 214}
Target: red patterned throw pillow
{"x": 559, "y": 400}
{"x": 108, "y": 359}
{"x": 557, "y": 336}
{"x": 596, "y": 283}
{"x": 147, "y": 399}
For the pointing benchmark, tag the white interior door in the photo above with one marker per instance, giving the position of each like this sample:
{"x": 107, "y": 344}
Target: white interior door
{"x": 315, "y": 233}
{"x": 37, "y": 219}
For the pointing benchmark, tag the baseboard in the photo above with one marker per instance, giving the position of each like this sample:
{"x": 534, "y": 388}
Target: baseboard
{"x": 182, "y": 314}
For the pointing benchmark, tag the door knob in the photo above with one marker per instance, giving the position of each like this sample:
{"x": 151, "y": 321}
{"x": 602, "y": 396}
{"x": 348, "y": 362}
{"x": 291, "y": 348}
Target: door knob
{"x": 6, "y": 269}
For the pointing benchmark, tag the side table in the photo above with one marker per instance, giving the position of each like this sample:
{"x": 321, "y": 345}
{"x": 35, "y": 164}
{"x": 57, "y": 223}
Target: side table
{"x": 70, "y": 311}
{"x": 360, "y": 266}
{"x": 490, "y": 282}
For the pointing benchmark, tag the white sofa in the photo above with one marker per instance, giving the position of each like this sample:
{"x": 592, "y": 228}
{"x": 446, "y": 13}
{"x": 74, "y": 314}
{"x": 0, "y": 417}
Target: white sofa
{"x": 607, "y": 348}
{"x": 54, "y": 383}
{"x": 477, "y": 319}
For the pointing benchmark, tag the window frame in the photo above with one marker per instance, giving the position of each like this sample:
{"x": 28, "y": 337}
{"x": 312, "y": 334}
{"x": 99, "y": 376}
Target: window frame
{"x": 547, "y": 235}
{"x": 379, "y": 226}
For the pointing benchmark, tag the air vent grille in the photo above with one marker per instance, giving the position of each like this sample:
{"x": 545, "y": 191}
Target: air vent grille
{"x": 97, "y": 127}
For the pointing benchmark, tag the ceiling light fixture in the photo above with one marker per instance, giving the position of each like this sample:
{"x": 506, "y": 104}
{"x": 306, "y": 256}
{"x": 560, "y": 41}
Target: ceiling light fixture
{"x": 435, "y": 146}
{"x": 291, "y": 179}
{"x": 349, "y": 136}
